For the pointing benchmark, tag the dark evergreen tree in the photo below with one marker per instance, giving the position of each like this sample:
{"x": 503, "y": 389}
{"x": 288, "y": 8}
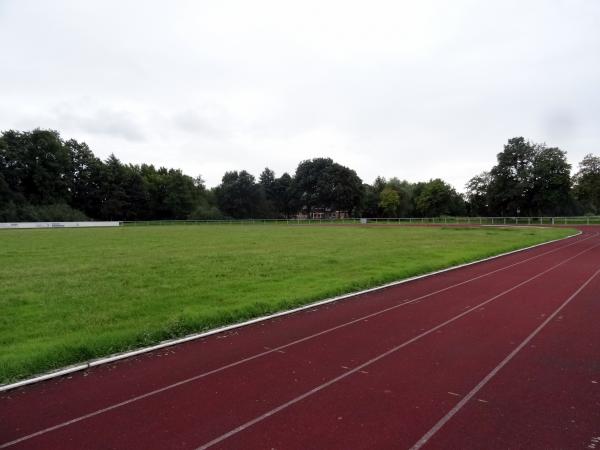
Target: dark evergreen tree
{"x": 283, "y": 196}
{"x": 86, "y": 182}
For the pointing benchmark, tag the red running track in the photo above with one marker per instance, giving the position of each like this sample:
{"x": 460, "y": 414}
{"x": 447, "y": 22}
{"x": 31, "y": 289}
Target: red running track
{"x": 501, "y": 354}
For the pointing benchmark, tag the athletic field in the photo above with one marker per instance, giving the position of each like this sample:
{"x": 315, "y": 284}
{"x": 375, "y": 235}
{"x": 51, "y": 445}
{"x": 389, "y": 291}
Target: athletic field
{"x": 68, "y": 295}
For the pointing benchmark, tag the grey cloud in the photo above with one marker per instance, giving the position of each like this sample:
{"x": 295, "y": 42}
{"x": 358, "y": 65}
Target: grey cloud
{"x": 193, "y": 122}
{"x": 116, "y": 124}
{"x": 119, "y": 124}
{"x": 560, "y": 124}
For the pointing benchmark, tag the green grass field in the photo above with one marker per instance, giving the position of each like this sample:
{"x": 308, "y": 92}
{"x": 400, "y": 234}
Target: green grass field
{"x": 68, "y": 295}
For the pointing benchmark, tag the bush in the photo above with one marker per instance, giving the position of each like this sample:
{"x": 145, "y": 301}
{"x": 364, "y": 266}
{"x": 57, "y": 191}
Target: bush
{"x": 8, "y": 212}
{"x": 58, "y": 212}
{"x": 207, "y": 212}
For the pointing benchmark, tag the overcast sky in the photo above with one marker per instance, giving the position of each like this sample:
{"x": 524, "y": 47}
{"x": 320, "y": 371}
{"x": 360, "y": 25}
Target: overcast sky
{"x": 414, "y": 89}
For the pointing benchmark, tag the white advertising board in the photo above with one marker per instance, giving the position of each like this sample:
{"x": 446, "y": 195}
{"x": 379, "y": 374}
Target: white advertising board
{"x": 57, "y": 224}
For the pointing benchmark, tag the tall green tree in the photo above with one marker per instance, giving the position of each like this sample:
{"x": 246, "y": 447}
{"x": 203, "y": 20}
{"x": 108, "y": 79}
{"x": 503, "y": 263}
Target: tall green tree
{"x": 36, "y": 165}
{"x": 282, "y": 195}
{"x": 114, "y": 197}
{"x": 405, "y": 192}
{"x": 477, "y": 194}
{"x": 322, "y": 183}
{"x": 371, "y": 197}
{"x": 529, "y": 179}
{"x": 182, "y": 194}
{"x": 389, "y": 202}
{"x": 86, "y": 181}
{"x": 310, "y": 188}
{"x": 8, "y": 207}
{"x": 438, "y": 198}
{"x": 267, "y": 181}
{"x": 551, "y": 192}
{"x": 238, "y": 195}
{"x": 587, "y": 184}
{"x": 268, "y": 196}
{"x": 345, "y": 188}
{"x": 512, "y": 179}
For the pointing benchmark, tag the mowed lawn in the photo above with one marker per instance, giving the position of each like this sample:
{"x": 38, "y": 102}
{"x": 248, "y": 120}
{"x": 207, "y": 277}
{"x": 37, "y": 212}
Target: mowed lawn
{"x": 68, "y": 295}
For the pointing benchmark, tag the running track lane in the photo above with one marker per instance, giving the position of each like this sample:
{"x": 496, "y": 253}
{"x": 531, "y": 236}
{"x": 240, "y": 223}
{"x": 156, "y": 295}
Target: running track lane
{"x": 454, "y": 357}
{"x": 548, "y": 397}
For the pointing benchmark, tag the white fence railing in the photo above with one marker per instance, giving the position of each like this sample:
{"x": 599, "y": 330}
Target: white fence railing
{"x": 580, "y": 220}
{"x": 86, "y": 224}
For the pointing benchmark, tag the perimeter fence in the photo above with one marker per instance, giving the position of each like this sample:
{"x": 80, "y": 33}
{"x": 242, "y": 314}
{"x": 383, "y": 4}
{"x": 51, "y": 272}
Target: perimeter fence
{"x": 579, "y": 220}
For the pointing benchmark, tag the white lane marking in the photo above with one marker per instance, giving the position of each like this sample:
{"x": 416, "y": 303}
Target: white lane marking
{"x": 276, "y": 349}
{"x": 379, "y": 357}
{"x": 427, "y": 436}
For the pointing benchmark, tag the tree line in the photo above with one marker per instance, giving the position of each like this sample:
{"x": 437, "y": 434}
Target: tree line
{"x": 46, "y": 178}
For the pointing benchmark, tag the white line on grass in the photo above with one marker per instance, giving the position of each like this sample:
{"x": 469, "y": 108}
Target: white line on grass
{"x": 377, "y": 358}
